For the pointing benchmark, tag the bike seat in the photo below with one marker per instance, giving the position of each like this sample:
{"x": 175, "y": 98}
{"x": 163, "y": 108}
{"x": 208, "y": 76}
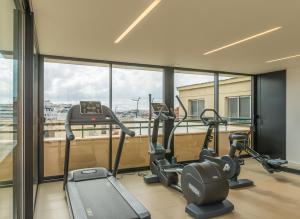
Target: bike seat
{"x": 240, "y": 136}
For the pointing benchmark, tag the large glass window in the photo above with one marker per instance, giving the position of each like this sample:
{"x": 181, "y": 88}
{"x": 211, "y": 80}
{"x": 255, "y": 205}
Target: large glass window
{"x": 196, "y": 91}
{"x": 65, "y": 84}
{"x": 8, "y": 108}
{"x": 131, "y": 87}
{"x": 35, "y": 130}
{"x": 234, "y": 106}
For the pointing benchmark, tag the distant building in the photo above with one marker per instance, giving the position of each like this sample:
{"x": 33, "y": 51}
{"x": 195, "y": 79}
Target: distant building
{"x": 6, "y": 111}
{"x": 234, "y": 98}
{"x": 55, "y": 112}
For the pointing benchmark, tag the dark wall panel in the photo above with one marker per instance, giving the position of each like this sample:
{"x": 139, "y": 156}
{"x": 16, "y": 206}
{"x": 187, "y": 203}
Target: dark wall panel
{"x": 271, "y": 114}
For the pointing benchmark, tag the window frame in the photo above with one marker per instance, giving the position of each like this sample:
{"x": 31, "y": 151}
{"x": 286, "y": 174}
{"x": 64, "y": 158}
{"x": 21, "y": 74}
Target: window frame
{"x": 190, "y": 101}
{"x": 238, "y": 105}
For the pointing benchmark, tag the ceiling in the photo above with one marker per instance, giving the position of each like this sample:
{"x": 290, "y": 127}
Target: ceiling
{"x": 175, "y": 33}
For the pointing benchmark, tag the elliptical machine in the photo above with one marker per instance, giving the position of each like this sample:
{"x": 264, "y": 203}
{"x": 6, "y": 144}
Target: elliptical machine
{"x": 203, "y": 185}
{"x": 230, "y": 164}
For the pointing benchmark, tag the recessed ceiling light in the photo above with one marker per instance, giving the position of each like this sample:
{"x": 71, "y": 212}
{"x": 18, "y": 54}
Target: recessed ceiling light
{"x": 243, "y": 40}
{"x": 138, "y": 20}
{"x": 284, "y": 58}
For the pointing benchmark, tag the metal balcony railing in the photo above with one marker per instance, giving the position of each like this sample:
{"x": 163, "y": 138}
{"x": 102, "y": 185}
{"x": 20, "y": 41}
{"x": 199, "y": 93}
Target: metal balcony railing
{"x": 138, "y": 126}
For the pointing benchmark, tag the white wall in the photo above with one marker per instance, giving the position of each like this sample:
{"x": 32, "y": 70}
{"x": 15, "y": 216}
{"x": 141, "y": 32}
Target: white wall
{"x": 293, "y": 115}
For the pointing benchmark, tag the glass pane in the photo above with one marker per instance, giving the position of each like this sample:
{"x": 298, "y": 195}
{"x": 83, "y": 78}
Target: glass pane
{"x": 35, "y": 131}
{"x": 245, "y": 107}
{"x": 196, "y": 91}
{"x": 66, "y": 84}
{"x": 232, "y": 89}
{"x": 201, "y": 107}
{"x": 131, "y": 87}
{"x": 193, "y": 108}
{"x": 233, "y": 108}
{"x": 8, "y": 107}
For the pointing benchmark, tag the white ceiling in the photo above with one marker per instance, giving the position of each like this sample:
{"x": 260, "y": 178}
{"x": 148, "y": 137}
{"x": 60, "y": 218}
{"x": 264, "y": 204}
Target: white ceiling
{"x": 175, "y": 33}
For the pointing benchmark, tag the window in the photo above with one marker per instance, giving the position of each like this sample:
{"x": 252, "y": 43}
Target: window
{"x": 131, "y": 87}
{"x": 66, "y": 83}
{"x": 10, "y": 110}
{"x": 196, "y": 91}
{"x": 234, "y": 106}
{"x": 195, "y": 108}
{"x": 239, "y": 107}
{"x": 245, "y": 107}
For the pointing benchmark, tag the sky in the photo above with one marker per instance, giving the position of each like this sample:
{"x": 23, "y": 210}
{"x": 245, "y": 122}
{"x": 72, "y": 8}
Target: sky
{"x": 70, "y": 83}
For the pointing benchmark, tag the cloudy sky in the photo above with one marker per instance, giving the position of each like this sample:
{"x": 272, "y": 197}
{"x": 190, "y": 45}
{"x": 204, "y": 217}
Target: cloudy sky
{"x": 69, "y": 83}
{"x": 72, "y": 83}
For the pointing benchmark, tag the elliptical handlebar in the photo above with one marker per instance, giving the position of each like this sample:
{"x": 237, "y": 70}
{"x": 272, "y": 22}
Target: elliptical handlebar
{"x": 177, "y": 125}
{"x": 164, "y": 116}
{"x": 183, "y": 107}
{"x": 216, "y": 120}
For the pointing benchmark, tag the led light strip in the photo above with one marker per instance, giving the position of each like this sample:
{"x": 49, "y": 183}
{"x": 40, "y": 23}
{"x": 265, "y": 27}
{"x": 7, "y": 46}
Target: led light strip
{"x": 284, "y": 58}
{"x": 138, "y": 20}
{"x": 243, "y": 40}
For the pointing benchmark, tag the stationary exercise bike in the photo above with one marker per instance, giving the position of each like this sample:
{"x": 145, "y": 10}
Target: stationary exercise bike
{"x": 231, "y": 163}
{"x": 203, "y": 185}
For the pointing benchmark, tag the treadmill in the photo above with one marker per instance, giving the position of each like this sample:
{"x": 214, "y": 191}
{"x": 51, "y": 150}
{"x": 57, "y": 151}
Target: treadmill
{"x": 95, "y": 193}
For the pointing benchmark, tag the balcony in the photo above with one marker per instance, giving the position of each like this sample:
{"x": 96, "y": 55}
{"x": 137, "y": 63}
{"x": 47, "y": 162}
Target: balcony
{"x": 91, "y": 145}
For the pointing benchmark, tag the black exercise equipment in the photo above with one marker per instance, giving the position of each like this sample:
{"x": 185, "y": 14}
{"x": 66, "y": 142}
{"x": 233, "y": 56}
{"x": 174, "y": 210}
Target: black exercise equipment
{"x": 203, "y": 185}
{"x": 231, "y": 163}
{"x": 95, "y": 192}
{"x": 242, "y": 141}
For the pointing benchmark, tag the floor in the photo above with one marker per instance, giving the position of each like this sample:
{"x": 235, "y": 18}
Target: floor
{"x": 6, "y": 203}
{"x": 274, "y": 196}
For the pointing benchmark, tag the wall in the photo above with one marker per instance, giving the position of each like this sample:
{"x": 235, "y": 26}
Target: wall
{"x": 293, "y": 115}
{"x": 239, "y": 86}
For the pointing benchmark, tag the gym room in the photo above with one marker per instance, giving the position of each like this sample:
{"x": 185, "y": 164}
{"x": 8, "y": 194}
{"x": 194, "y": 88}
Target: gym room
{"x": 122, "y": 109}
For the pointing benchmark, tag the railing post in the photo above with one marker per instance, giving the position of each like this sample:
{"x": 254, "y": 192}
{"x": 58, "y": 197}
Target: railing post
{"x": 140, "y": 128}
{"x": 187, "y": 127}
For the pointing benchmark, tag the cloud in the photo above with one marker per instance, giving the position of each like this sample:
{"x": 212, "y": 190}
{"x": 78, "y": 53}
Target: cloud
{"x": 70, "y": 83}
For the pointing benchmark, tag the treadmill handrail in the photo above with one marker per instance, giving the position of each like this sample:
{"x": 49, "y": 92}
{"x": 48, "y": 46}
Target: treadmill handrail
{"x": 114, "y": 120}
{"x": 107, "y": 117}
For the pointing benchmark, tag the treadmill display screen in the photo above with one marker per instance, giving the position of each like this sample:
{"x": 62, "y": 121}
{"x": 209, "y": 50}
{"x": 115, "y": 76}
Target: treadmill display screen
{"x": 157, "y": 107}
{"x": 90, "y": 107}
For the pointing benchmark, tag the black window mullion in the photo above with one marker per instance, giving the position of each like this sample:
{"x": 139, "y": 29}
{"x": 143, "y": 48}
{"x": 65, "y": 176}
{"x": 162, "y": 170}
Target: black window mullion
{"x": 216, "y": 107}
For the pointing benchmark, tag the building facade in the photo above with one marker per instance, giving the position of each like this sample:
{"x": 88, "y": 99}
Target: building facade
{"x": 234, "y": 98}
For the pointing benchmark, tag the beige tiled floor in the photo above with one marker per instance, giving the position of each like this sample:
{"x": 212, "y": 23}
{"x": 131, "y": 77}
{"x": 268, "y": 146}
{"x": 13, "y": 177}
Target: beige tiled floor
{"x": 6, "y": 203}
{"x": 275, "y": 196}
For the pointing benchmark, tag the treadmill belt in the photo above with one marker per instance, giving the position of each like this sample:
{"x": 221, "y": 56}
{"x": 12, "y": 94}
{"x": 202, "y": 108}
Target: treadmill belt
{"x": 102, "y": 201}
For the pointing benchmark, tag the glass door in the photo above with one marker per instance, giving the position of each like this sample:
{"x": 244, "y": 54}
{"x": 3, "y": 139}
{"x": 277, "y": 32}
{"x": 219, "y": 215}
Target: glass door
{"x": 8, "y": 109}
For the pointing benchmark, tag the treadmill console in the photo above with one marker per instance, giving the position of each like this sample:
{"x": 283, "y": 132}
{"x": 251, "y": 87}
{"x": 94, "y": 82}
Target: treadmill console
{"x": 90, "y": 108}
{"x": 159, "y": 107}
